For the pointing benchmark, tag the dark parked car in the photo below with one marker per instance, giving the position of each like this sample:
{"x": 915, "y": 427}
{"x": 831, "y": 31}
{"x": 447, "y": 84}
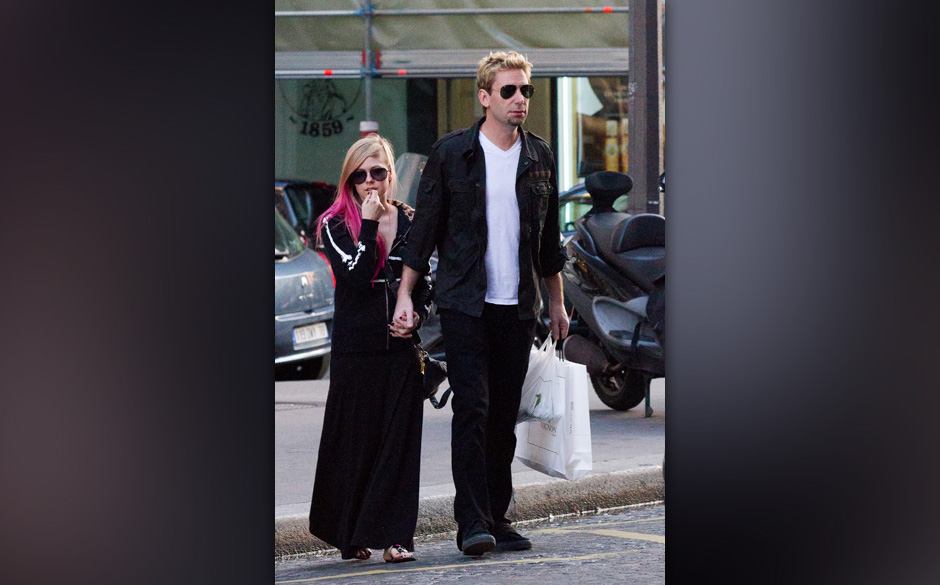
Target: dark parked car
{"x": 300, "y": 203}
{"x": 409, "y": 167}
{"x": 303, "y": 305}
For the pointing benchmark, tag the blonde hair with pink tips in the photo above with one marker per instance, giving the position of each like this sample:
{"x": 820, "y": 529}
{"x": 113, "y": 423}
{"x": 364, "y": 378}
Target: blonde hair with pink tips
{"x": 347, "y": 206}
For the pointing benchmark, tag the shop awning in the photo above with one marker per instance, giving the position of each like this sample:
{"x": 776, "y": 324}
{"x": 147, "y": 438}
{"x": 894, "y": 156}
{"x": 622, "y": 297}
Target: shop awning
{"x": 328, "y": 37}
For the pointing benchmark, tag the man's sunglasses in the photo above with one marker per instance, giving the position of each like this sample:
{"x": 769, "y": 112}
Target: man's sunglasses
{"x": 378, "y": 174}
{"x": 507, "y": 91}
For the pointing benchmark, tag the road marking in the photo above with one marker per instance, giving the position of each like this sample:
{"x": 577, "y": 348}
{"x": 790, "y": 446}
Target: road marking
{"x": 607, "y": 532}
{"x": 593, "y": 529}
{"x": 588, "y": 526}
{"x": 464, "y": 565}
{"x": 623, "y": 534}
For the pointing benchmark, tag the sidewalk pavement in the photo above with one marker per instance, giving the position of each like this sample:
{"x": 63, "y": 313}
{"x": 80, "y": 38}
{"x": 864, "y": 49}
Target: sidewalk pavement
{"x": 627, "y": 450}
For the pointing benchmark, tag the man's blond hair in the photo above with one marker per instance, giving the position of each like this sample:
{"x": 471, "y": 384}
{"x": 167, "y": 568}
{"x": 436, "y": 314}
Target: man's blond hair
{"x": 500, "y": 61}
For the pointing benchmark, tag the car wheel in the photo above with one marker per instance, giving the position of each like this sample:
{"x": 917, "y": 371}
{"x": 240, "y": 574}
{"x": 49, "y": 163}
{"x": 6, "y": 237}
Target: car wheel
{"x": 622, "y": 391}
{"x": 317, "y": 367}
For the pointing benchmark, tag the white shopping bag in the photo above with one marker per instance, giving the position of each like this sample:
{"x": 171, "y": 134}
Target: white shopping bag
{"x": 561, "y": 448}
{"x": 542, "y": 392}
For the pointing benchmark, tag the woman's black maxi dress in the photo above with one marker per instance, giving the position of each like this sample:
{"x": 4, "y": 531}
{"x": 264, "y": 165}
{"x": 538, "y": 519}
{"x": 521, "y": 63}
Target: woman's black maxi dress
{"x": 365, "y": 493}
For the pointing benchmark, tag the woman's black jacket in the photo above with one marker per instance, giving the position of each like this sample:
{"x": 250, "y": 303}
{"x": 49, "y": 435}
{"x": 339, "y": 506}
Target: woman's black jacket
{"x": 364, "y": 305}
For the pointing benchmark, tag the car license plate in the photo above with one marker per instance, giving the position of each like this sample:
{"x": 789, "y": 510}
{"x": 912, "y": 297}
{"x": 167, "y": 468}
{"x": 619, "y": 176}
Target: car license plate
{"x": 309, "y": 333}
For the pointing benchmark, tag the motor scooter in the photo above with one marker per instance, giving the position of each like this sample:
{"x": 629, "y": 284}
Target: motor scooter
{"x": 614, "y": 281}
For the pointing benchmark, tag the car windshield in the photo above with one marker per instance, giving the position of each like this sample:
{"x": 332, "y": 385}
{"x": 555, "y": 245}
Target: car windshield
{"x": 280, "y": 204}
{"x": 409, "y": 167}
{"x": 571, "y": 210}
{"x": 300, "y": 201}
{"x": 287, "y": 243}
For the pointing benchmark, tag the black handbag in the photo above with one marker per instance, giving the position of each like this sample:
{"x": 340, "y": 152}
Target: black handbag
{"x": 434, "y": 373}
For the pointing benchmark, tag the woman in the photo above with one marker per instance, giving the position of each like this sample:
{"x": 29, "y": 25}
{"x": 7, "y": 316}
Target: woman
{"x": 365, "y": 494}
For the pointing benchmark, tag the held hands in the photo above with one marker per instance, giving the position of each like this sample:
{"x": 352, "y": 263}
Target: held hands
{"x": 404, "y": 319}
{"x": 373, "y": 207}
{"x": 399, "y": 327}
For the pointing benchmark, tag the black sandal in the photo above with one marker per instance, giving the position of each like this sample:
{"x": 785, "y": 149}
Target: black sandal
{"x": 401, "y": 558}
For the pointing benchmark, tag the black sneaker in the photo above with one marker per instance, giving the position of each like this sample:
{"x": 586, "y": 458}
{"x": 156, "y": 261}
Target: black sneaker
{"x": 507, "y": 539}
{"x": 476, "y": 542}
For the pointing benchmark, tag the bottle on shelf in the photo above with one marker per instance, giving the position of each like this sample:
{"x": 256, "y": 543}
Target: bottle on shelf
{"x": 624, "y": 145}
{"x": 611, "y": 147}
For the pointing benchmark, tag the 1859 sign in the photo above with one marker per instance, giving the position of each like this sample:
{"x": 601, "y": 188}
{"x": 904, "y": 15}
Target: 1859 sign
{"x": 323, "y": 110}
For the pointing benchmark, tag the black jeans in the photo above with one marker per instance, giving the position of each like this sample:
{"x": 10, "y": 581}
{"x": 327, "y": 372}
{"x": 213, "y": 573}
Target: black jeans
{"x": 487, "y": 359}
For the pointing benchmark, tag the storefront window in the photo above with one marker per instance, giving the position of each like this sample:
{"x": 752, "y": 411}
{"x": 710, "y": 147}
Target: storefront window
{"x": 602, "y": 119}
{"x": 593, "y": 123}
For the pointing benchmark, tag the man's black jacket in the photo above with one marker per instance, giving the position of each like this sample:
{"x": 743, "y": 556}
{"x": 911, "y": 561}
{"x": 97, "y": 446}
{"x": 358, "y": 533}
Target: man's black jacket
{"x": 450, "y": 214}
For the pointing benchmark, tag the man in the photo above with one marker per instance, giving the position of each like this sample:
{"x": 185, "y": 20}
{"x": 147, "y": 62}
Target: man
{"x": 488, "y": 200}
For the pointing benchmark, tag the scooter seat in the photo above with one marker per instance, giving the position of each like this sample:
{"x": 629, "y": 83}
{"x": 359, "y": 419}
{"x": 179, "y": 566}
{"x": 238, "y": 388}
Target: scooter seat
{"x": 601, "y": 227}
{"x": 642, "y": 266}
{"x": 637, "y": 248}
{"x": 644, "y": 230}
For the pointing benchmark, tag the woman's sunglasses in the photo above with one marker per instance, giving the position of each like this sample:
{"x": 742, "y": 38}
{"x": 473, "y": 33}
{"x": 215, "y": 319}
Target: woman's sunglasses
{"x": 507, "y": 91}
{"x": 378, "y": 174}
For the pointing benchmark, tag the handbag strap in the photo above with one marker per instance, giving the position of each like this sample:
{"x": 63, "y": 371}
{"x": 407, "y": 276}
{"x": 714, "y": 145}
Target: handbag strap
{"x": 443, "y": 402}
{"x": 424, "y": 358}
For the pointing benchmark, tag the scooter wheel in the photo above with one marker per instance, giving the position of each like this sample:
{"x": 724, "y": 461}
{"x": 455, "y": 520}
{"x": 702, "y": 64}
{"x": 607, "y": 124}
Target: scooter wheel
{"x": 621, "y": 391}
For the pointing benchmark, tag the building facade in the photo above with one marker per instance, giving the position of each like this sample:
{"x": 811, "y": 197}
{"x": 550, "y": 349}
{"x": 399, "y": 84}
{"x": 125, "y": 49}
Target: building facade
{"x": 347, "y": 63}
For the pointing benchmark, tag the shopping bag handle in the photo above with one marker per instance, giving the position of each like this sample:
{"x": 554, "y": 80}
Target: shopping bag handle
{"x": 547, "y": 345}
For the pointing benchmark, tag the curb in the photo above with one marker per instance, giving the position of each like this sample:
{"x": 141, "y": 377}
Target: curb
{"x": 531, "y": 502}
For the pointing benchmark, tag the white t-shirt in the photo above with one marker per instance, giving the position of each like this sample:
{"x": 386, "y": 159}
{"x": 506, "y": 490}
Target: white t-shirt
{"x": 502, "y": 223}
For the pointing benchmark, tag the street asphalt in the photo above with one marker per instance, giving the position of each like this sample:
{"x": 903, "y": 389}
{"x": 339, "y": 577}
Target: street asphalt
{"x": 627, "y": 451}
{"x": 627, "y": 545}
